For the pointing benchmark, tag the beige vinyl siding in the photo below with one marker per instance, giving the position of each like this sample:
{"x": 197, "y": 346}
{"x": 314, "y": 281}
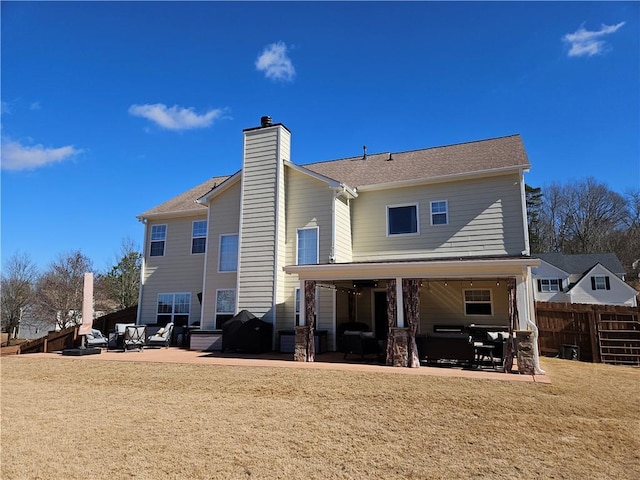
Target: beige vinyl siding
{"x": 261, "y": 214}
{"x": 178, "y": 271}
{"x": 308, "y": 204}
{"x": 444, "y": 305}
{"x": 485, "y": 218}
{"x": 224, "y": 214}
{"x": 344, "y": 252}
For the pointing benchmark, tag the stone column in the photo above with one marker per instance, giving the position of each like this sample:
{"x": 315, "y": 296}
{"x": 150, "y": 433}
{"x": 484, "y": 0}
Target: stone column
{"x": 400, "y": 346}
{"x": 301, "y": 340}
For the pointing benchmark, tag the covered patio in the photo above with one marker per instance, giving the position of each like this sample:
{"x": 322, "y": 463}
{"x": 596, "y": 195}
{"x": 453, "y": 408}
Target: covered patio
{"x": 409, "y": 299}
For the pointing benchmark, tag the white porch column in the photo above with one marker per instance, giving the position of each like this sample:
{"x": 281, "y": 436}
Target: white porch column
{"x": 302, "y": 305}
{"x": 399, "y": 303}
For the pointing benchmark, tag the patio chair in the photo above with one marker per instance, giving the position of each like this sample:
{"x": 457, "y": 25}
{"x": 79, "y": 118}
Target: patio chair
{"x": 162, "y": 337}
{"x": 134, "y": 337}
{"x": 96, "y": 339}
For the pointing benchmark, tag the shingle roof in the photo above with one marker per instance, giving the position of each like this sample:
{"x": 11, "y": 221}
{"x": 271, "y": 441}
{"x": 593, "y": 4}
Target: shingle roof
{"x": 480, "y": 156}
{"x": 185, "y": 201}
{"x": 579, "y": 264}
{"x": 430, "y": 163}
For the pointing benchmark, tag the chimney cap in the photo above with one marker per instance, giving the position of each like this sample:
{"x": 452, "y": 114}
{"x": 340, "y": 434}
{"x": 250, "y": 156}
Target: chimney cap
{"x": 265, "y": 121}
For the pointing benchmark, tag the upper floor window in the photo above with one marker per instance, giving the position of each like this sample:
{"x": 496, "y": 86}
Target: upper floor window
{"x": 439, "y": 212}
{"x": 308, "y": 246}
{"x": 550, "y": 285}
{"x": 402, "y": 219}
{"x": 477, "y": 302}
{"x": 600, "y": 282}
{"x": 199, "y": 236}
{"x": 225, "y": 306}
{"x": 173, "y": 307}
{"x": 158, "y": 237}
{"x": 228, "y": 257}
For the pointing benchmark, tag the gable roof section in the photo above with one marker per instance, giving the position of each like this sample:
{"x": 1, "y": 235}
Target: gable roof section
{"x": 580, "y": 264}
{"x": 185, "y": 202}
{"x": 614, "y": 278}
{"x": 437, "y": 163}
{"x": 471, "y": 158}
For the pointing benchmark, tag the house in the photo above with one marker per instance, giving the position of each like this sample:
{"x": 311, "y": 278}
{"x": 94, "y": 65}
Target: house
{"x": 583, "y": 278}
{"x": 427, "y": 238}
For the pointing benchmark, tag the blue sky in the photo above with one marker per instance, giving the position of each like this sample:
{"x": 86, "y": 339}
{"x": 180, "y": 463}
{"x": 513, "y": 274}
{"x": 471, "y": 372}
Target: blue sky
{"x": 109, "y": 109}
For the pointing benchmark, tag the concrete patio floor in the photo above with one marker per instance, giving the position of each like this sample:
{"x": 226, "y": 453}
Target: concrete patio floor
{"x": 325, "y": 361}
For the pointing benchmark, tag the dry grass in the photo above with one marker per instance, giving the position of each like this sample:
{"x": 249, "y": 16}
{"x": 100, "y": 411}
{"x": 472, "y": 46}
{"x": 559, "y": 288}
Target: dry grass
{"x": 74, "y": 419}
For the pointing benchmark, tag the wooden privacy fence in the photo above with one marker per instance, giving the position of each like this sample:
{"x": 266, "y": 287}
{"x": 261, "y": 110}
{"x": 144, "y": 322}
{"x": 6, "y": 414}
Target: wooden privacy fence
{"x": 601, "y": 333}
{"x": 53, "y": 342}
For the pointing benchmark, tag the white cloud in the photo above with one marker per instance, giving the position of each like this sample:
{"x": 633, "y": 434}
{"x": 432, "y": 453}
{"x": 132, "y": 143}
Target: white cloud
{"x": 275, "y": 63}
{"x": 587, "y": 43}
{"x": 16, "y": 156}
{"x": 175, "y": 118}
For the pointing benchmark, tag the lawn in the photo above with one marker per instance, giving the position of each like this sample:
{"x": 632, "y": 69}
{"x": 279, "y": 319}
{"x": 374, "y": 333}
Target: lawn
{"x": 76, "y": 419}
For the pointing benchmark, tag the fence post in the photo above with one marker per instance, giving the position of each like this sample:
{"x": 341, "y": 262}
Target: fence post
{"x": 594, "y": 316}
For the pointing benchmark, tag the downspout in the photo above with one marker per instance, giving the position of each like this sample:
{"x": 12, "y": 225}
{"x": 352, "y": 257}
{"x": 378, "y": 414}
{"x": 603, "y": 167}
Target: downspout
{"x": 531, "y": 311}
{"x": 142, "y": 270}
{"x": 525, "y": 220}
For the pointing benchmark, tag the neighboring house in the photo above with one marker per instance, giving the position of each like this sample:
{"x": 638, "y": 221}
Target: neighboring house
{"x": 583, "y": 278}
{"x": 452, "y": 217}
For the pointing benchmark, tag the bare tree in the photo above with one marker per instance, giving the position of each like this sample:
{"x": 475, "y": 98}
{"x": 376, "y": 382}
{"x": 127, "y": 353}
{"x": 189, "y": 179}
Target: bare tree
{"x": 60, "y": 289}
{"x": 120, "y": 285}
{"x": 18, "y": 281}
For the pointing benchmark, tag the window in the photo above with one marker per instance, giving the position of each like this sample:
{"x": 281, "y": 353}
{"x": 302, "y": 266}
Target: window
{"x": 308, "y": 246}
{"x": 173, "y": 307}
{"x": 477, "y": 302}
{"x": 402, "y": 219}
{"x": 550, "y": 285}
{"x": 600, "y": 283}
{"x": 228, "y": 258}
{"x": 439, "y": 213}
{"x": 225, "y": 306}
{"x": 199, "y": 236}
{"x": 296, "y": 321}
{"x": 158, "y": 237}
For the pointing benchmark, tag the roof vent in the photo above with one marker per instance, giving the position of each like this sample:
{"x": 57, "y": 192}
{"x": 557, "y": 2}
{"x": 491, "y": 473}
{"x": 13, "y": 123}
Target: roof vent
{"x": 266, "y": 121}
{"x": 364, "y": 155}
{"x": 390, "y": 157}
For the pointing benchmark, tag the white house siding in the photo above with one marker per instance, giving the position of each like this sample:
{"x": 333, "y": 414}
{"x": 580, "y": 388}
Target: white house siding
{"x": 262, "y": 211}
{"x": 344, "y": 251}
{"x": 178, "y": 271}
{"x": 484, "y": 219}
{"x": 224, "y": 214}
{"x": 619, "y": 294}
{"x": 444, "y": 305}
{"x": 547, "y": 271}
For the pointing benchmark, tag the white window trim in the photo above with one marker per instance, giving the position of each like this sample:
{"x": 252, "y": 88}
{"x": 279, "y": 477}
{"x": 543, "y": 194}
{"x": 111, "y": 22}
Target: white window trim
{"x": 446, "y": 212}
{"x": 550, "y": 290}
{"x": 317, "y": 229}
{"x": 151, "y": 240}
{"x": 193, "y": 237}
{"x": 220, "y": 251}
{"x": 417, "y": 232}
{"x": 490, "y": 302}
{"x": 604, "y": 282}
{"x": 235, "y": 308}
{"x": 173, "y": 305}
